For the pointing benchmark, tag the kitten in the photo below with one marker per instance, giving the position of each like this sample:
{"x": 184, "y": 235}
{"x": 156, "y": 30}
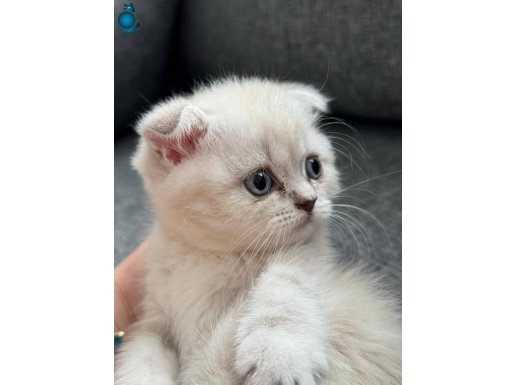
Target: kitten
{"x": 242, "y": 285}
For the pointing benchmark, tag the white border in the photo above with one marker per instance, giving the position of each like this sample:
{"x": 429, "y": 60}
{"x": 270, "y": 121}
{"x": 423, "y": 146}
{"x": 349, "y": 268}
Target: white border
{"x": 458, "y": 192}
{"x": 56, "y": 203}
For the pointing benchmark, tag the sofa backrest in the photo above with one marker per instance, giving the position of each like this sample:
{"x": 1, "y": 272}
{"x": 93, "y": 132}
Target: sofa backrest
{"x": 350, "y": 48}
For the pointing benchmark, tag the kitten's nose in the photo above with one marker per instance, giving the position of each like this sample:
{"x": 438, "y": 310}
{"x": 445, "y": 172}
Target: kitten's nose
{"x": 306, "y": 205}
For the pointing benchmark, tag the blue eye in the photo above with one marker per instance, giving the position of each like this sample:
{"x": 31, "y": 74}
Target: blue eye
{"x": 313, "y": 168}
{"x": 258, "y": 183}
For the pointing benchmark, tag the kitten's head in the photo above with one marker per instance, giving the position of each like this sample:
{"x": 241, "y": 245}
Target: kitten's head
{"x": 239, "y": 164}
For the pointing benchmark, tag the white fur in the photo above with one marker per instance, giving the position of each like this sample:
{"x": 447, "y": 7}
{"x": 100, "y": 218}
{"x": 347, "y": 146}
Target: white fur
{"x": 239, "y": 289}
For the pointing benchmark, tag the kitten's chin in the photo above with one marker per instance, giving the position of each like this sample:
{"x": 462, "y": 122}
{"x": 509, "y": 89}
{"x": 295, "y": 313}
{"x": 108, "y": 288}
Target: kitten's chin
{"x": 307, "y": 227}
{"x": 313, "y": 221}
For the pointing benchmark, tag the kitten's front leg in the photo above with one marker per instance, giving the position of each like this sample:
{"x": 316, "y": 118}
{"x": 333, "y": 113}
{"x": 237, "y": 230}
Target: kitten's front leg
{"x": 282, "y": 333}
{"x": 144, "y": 360}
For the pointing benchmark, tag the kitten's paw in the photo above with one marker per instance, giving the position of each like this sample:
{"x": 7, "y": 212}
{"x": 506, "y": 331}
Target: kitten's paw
{"x": 280, "y": 357}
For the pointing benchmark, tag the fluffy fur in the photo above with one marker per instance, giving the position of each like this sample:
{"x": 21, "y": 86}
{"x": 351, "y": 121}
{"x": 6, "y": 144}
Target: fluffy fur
{"x": 243, "y": 289}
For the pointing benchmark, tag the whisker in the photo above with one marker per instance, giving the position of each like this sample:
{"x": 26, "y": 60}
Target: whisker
{"x": 342, "y": 122}
{"x": 257, "y": 239}
{"x": 346, "y": 223}
{"x": 359, "y": 149}
{"x": 370, "y": 179}
{"x": 339, "y": 232}
{"x": 359, "y": 209}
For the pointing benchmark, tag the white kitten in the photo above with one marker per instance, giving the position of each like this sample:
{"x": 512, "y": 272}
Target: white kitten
{"x": 242, "y": 285}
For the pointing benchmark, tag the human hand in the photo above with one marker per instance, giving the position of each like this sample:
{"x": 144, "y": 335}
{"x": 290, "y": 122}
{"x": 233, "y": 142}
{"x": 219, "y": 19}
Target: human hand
{"x": 127, "y": 291}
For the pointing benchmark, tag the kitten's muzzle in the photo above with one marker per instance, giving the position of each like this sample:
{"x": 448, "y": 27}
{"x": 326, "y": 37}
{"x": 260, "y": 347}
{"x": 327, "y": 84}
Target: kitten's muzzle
{"x": 306, "y": 205}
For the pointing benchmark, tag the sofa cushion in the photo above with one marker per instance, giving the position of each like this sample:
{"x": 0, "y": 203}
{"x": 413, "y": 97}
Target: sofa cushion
{"x": 141, "y": 59}
{"x": 352, "y": 48}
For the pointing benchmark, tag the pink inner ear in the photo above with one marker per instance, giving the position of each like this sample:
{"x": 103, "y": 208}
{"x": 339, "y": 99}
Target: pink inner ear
{"x": 170, "y": 151}
{"x": 188, "y": 142}
{"x": 175, "y": 147}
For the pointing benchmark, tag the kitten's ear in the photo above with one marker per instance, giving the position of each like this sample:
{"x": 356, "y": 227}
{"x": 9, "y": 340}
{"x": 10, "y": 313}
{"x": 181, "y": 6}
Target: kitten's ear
{"x": 175, "y": 136}
{"x": 310, "y": 96}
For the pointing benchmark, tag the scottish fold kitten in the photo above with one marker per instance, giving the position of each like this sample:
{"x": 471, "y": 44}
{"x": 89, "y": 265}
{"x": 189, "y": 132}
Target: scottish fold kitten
{"x": 242, "y": 284}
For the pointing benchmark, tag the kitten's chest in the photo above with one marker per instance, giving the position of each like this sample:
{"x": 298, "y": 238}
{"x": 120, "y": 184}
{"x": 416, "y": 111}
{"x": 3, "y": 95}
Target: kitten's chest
{"x": 194, "y": 293}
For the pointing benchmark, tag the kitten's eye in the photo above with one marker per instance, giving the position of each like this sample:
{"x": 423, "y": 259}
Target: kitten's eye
{"x": 313, "y": 168}
{"x": 258, "y": 183}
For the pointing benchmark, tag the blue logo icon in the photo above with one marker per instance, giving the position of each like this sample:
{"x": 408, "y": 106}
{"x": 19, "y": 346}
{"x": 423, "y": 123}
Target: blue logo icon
{"x": 127, "y": 19}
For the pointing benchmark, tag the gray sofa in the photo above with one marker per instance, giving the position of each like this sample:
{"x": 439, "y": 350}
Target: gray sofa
{"x": 349, "y": 48}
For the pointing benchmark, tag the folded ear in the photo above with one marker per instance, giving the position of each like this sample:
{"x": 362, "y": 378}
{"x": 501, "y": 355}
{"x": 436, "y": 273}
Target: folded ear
{"x": 175, "y": 135}
{"x": 310, "y": 96}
